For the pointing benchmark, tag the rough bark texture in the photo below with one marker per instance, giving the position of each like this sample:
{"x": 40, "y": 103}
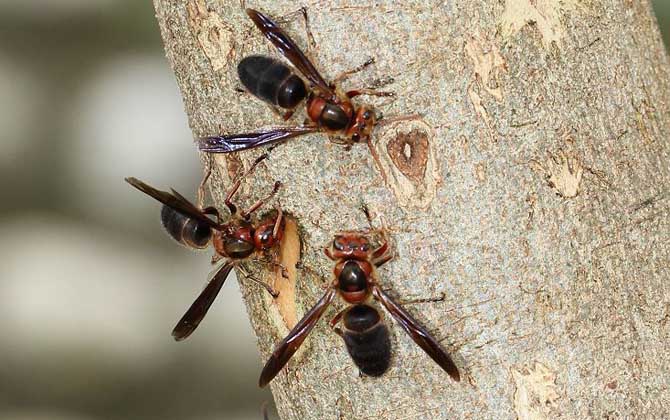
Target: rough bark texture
{"x": 533, "y": 194}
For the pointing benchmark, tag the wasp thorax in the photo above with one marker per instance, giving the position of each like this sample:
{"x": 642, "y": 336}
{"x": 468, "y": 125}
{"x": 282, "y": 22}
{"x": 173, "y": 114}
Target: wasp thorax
{"x": 235, "y": 247}
{"x": 334, "y": 118}
{"x": 352, "y": 278}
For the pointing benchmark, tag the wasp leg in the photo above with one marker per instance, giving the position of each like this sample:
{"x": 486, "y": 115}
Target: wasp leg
{"x": 247, "y": 213}
{"x": 236, "y": 186}
{"x": 345, "y": 74}
{"x": 270, "y": 289}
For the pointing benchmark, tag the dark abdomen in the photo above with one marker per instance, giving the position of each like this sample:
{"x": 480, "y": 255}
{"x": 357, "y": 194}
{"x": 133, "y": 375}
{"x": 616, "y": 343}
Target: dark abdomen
{"x": 185, "y": 230}
{"x": 272, "y": 81}
{"x": 367, "y": 340}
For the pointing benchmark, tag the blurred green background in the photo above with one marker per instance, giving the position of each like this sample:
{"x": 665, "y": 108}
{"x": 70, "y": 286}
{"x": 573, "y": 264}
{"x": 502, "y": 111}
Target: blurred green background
{"x": 90, "y": 286}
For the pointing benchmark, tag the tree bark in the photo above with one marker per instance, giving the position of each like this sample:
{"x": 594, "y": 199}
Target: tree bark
{"x": 532, "y": 193}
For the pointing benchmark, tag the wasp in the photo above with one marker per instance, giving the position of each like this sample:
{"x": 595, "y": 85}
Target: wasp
{"x": 236, "y": 240}
{"x": 329, "y": 108}
{"x": 365, "y": 335}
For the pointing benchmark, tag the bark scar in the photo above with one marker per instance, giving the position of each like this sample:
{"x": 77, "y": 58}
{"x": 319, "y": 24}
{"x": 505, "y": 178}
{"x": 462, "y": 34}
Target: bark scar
{"x": 547, "y": 16}
{"x": 289, "y": 256}
{"x": 409, "y": 153}
{"x": 282, "y": 312}
{"x": 215, "y": 37}
{"x": 563, "y": 172}
{"x": 488, "y": 67}
{"x": 406, "y": 154}
{"x": 536, "y": 392}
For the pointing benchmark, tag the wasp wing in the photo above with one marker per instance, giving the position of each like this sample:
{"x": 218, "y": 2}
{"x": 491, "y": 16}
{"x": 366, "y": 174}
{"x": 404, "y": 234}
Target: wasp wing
{"x": 236, "y": 142}
{"x": 418, "y": 333}
{"x": 289, "y": 49}
{"x": 191, "y": 319}
{"x": 175, "y": 201}
{"x": 289, "y": 345}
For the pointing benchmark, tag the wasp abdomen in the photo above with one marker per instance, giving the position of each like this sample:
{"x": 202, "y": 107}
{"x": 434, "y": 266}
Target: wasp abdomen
{"x": 272, "y": 81}
{"x": 237, "y": 248}
{"x": 367, "y": 340}
{"x": 185, "y": 230}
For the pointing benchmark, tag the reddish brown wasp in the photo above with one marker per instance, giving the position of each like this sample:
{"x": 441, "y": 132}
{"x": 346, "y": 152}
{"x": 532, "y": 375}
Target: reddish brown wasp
{"x": 364, "y": 334}
{"x": 329, "y": 108}
{"x": 235, "y": 240}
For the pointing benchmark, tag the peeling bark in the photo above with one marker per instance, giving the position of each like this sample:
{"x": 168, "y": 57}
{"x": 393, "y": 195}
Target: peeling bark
{"x": 547, "y": 227}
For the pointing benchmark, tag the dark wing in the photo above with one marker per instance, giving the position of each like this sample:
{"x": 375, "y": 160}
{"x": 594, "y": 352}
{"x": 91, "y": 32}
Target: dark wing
{"x": 175, "y": 201}
{"x": 289, "y": 49}
{"x": 191, "y": 319}
{"x": 418, "y": 333}
{"x": 289, "y": 345}
{"x": 237, "y": 142}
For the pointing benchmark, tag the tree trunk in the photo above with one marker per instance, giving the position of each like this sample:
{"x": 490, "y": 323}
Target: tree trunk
{"x": 532, "y": 193}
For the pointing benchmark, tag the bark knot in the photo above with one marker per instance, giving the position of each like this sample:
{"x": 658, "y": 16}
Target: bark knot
{"x": 409, "y": 152}
{"x": 407, "y": 160}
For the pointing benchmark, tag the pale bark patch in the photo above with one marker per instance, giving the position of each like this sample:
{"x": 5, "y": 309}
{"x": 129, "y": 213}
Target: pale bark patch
{"x": 488, "y": 66}
{"x": 536, "y": 392}
{"x": 563, "y": 172}
{"x": 214, "y": 36}
{"x": 282, "y": 311}
{"x": 289, "y": 257}
{"x": 480, "y": 109}
{"x": 480, "y": 172}
{"x": 545, "y": 14}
